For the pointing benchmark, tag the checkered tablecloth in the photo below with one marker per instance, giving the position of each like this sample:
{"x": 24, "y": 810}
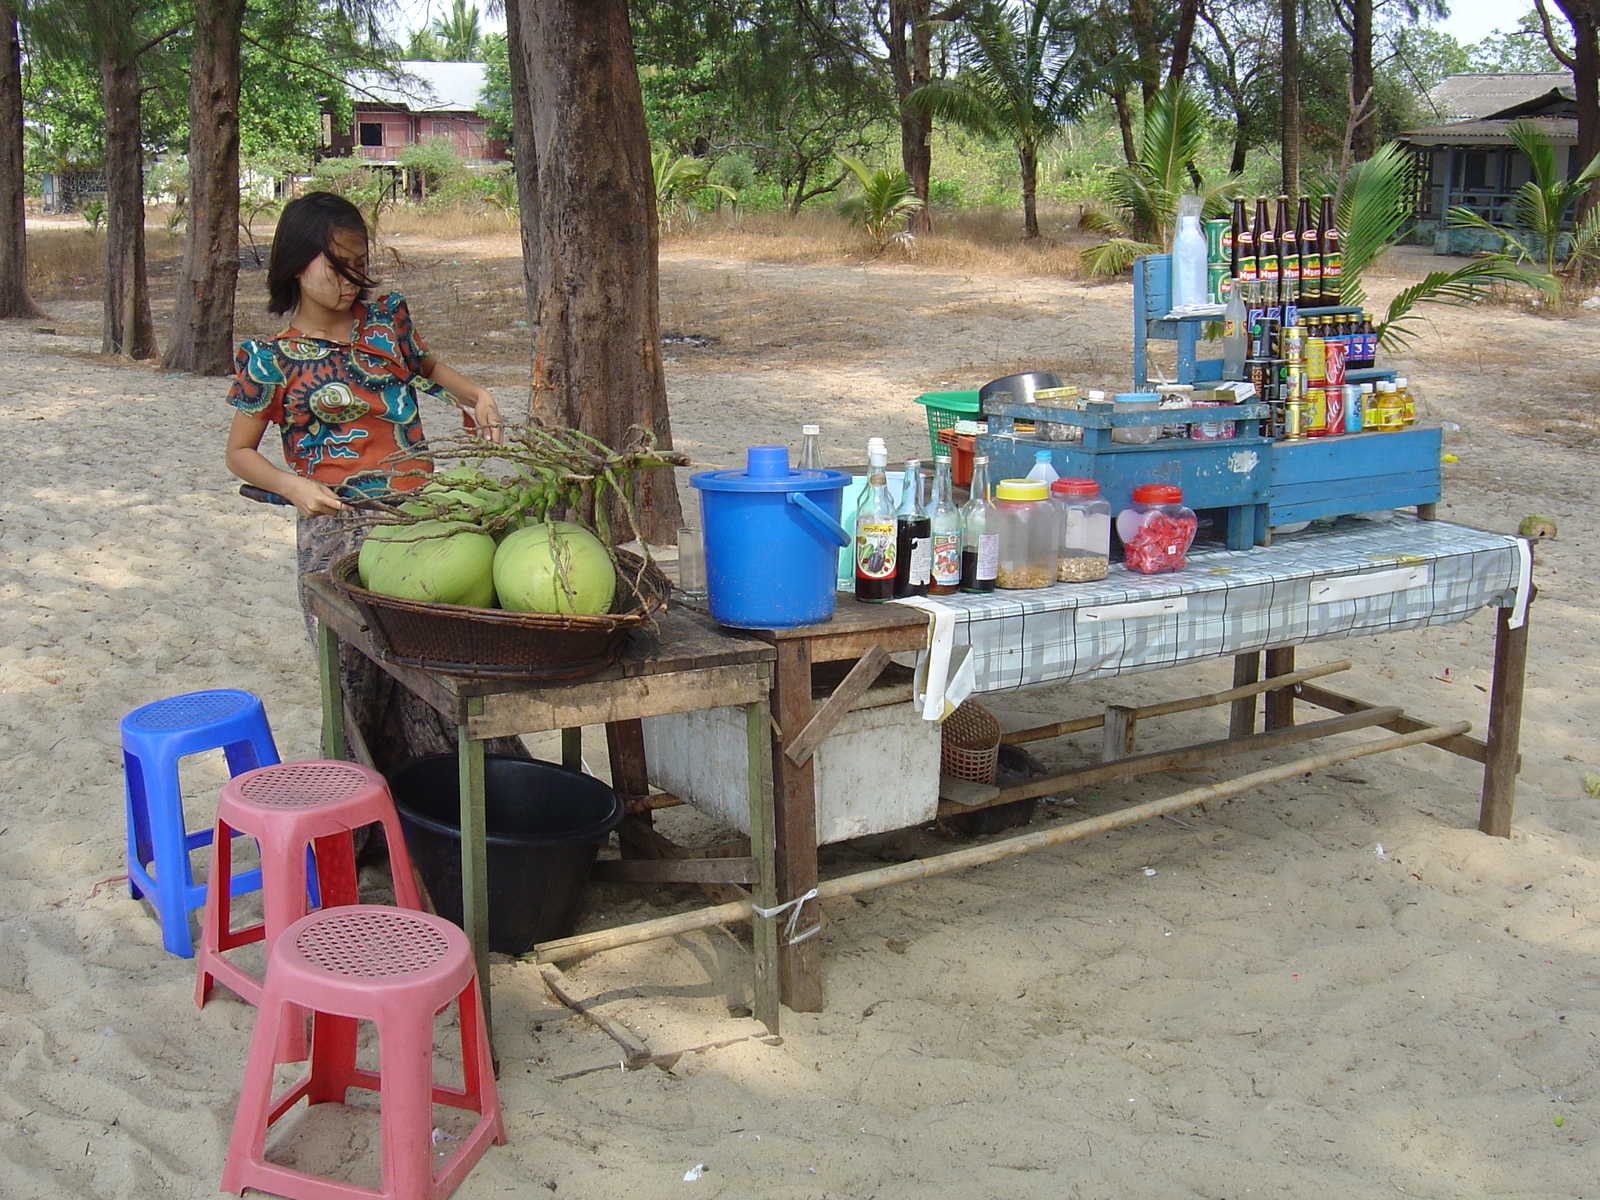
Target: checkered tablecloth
{"x": 1299, "y": 589}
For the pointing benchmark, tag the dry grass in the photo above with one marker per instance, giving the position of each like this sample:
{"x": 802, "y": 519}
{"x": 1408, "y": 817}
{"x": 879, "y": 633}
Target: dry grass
{"x": 448, "y": 225}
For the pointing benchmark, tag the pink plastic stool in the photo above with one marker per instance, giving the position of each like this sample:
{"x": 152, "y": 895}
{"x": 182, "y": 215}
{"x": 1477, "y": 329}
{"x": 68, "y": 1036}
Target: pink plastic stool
{"x": 398, "y": 969}
{"x": 287, "y": 808}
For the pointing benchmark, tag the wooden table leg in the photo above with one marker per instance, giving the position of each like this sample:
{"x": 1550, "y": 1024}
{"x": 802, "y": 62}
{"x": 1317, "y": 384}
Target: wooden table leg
{"x": 572, "y": 749}
{"x": 1505, "y": 725}
{"x": 474, "y": 851}
{"x": 794, "y": 800}
{"x": 763, "y": 848}
{"x": 1242, "y": 715}
{"x": 1280, "y": 702}
{"x": 1120, "y": 730}
{"x": 333, "y": 734}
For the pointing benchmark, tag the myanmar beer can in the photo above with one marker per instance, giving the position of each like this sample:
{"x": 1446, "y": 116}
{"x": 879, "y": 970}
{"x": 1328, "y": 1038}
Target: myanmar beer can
{"x": 1294, "y": 420}
{"x": 1333, "y": 409}
{"x": 1352, "y": 408}
{"x": 1217, "y": 229}
{"x": 1334, "y": 355}
{"x": 1218, "y": 282}
{"x": 1317, "y": 359}
{"x": 1316, "y": 412}
{"x": 1292, "y": 343}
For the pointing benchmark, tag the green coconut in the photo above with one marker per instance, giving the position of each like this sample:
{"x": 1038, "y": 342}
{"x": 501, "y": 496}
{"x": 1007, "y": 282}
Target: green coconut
{"x": 434, "y": 561}
{"x": 556, "y": 568}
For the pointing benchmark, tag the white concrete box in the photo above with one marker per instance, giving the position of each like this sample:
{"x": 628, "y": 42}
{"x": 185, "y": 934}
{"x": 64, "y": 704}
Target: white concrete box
{"x": 878, "y": 771}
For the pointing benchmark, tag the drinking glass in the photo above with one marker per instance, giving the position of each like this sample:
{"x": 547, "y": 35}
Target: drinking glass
{"x": 691, "y": 564}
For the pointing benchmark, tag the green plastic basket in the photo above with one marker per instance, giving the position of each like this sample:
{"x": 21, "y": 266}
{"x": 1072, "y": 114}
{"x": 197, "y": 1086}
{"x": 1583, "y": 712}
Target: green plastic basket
{"x": 945, "y": 409}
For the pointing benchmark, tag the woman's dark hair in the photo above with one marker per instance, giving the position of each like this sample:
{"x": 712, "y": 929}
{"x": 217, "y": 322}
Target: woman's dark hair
{"x": 305, "y": 230}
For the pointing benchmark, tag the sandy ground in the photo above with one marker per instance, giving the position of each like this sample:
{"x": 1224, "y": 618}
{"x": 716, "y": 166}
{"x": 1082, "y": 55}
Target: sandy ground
{"x": 1247, "y": 1002}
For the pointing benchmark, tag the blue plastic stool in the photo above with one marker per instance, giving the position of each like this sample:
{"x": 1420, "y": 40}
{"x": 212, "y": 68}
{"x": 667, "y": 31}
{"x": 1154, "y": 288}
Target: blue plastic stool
{"x": 154, "y": 738}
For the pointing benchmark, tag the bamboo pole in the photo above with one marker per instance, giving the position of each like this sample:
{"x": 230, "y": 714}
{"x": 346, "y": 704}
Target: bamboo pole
{"x": 565, "y": 949}
{"x": 1168, "y": 707}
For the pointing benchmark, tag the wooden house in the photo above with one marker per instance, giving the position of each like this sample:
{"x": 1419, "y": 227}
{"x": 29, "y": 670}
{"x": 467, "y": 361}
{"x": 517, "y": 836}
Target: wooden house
{"x": 429, "y": 100}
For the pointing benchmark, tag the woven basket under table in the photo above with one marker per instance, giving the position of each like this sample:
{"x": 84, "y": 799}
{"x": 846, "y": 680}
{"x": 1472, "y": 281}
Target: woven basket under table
{"x": 969, "y": 745}
{"x": 492, "y": 643}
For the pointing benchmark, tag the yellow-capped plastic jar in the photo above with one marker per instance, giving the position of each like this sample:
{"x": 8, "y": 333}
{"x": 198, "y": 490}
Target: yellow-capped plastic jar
{"x": 1030, "y": 533}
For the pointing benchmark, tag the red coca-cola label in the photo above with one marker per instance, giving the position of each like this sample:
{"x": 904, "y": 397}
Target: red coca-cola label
{"x": 1333, "y": 370}
{"x": 1333, "y": 402}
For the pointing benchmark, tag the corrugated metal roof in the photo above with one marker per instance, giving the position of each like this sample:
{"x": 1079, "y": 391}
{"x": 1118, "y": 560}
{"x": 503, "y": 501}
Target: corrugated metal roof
{"x": 1468, "y": 96}
{"x": 426, "y": 87}
{"x": 1561, "y": 130}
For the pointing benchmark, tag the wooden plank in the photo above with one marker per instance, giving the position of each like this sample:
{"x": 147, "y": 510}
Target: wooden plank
{"x": 1461, "y": 745}
{"x": 1166, "y": 760}
{"x": 675, "y": 870}
{"x": 852, "y": 617}
{"x": 581, "y": 702}
{"x": 333, "y": 722}
{"x": 1121, "y": 728}
{"x": 1242, "y": 715}
{"x": 764, "y": 848}
{"x": 1356, "y": 456}
{"x": 1505, "y": 725}
{"x": 861, "y": 677}
{"x": 795, "y": 827}
{"x": 472, "y": 784}
{"x": 846, "y": 645}
{"x": 966, "y": 793}
{"x": 1280, "y": 701}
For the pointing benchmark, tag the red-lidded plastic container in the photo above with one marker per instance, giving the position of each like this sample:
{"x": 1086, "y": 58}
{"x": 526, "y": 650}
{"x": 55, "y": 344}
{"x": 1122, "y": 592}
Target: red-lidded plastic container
{"x": 1156, "y": 529}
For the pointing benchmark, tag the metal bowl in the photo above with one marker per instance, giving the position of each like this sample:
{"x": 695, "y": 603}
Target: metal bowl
{"x": 1021, "y": 387}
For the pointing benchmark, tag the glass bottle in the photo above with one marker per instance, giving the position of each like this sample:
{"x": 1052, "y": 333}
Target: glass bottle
{"x": 980, "y": 540}
{"x": 944, "y": 522}
{"x": 1288, "y": 258}
{"x": 1234, "y": 336}
{"x": 913, "y": 556}
{"x": 1266, "y": 260}
{"x": 811, "y": 448}
{"x": 875, "y": 540}
{"x": 1242, "y": 259}
{"x": 1310, "y": 257}
{"x": 1332, "y": 259}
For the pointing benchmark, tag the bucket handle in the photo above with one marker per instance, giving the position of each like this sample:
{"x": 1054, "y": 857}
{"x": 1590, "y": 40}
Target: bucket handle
{"x": 822, "y": 520}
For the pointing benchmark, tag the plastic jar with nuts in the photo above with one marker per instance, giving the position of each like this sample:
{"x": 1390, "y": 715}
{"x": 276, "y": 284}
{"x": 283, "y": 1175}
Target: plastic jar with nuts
{"x": 1030, "y": 534}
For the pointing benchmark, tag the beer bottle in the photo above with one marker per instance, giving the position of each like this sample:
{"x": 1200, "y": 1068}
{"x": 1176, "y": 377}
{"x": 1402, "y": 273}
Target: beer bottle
{"x": 913, "y": 550}
{"x": 1243, "y": 258}
{"x": 875, "y": 531}
{"x": 1332, "y": 260}
{"x": 1310, "y": 257}
{"x": 1288, "y": 257}
{"x": 1266, "y": 257}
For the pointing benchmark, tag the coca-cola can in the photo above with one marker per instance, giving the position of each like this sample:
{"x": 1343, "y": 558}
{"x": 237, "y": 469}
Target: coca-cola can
{"x": 1334, "y": 356}
{"x": 1333, "y": 406}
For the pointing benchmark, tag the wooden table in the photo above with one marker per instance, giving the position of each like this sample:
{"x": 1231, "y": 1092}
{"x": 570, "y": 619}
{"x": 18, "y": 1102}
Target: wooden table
{"x": 692, "y": 664}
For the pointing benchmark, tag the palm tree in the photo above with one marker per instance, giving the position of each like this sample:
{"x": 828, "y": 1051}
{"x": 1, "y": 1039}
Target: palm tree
{"x": 1538, "y": 231}
{"x": 1373, "y": 213}
{"x": 678, "y": 178}
{"x": 1145, "y": 192}
{"x": 886, "y": 198}
{"x": 1022, "y": 84}
{"x": 460, "y": 38}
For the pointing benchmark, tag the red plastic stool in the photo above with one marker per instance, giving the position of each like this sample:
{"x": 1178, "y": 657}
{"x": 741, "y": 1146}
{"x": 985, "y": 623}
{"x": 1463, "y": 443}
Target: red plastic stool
{"x": 398, "y": 969}
{"x": 286, "y": 808}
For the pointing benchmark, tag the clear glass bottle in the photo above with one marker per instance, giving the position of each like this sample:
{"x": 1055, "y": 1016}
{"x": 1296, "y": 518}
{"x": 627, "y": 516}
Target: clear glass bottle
{"x": 1085, "y": 553}
{"x": 1029, "y": 525}
{"x": 913, "y": 540}
{"x": 811, "y": 448}
{"x": 875, "y": 530}
{"x": 944, "y": 523}
{"x": 1156, "y": 529}
{"x": 980, "y": 539}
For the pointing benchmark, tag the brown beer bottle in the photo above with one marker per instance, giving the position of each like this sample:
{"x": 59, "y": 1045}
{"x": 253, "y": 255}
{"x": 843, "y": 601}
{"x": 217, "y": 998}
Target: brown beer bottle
{"x": 1310, "y": 257}
{"x": 1245, "y": 266}
{"x": 1266, "y": 253}
{"x": 1332, "y": 260}
{"x": 1288, "y": 256}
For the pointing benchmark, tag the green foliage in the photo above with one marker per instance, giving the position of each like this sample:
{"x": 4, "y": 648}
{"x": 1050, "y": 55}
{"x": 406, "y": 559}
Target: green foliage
{"x": 459, "y": 34}
{"x": 885, "y": 200}
{"x": 1522, "y": 49}
{"x": 498, "y": 186}
{"x": 445, "y": 176}
{"x": 494, "y": 101}
{"x": 94, "y": 212}
{"x": 679, "y": 182}
{"x": 1144, "y": 193}
{"x": 1373, "y": 213}
{"x": 1538, "y": 232}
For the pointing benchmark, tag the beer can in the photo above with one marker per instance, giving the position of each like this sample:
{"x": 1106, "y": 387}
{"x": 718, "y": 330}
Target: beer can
{"x": 1334, "y": 359}
{"x": 1352, "y": 408}
{"x": 1262, "y": 374}
{"x": 1217, "y": 229}
{"x": 1294, "y": 420}
{"x": 1316, "y": 359}
{"x": 1277, "y": 429}
{"x": 1294, "y": 384}
{"x": 1292, "y": 343}
{"x": 1316, "y": 412}
{"x": 1217, "y": 282}
{"x": 1333, "y": 409}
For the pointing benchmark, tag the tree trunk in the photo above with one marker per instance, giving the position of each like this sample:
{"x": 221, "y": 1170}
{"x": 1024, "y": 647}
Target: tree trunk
{"x": 1146, "y": 46}
{"x": 1028, "y": 158}
{"x": 1584, "y": 63}
{"x": 1364, "y": 137}
{"x": 1290, "y": 68}
{"x": 524, "y": 163}
{"x": 202, "y": 320}
{"x": 597, "y": 342}
{"x": 1119, "y": 99}
{"x": 910, "y": 48}
{"x": 1183, "y": 40}
{"x": 14, "y": 298}
{"x": 129, "y": 326}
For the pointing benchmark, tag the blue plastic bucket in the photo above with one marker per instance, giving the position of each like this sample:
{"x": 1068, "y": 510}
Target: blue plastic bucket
{"x": 772, "y": 538}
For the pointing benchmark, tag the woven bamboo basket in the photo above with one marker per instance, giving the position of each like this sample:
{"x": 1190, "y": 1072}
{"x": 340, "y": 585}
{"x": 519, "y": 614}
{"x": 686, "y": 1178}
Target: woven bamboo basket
{"x": 492, "y": 643}
{"x": 969, "y": 745}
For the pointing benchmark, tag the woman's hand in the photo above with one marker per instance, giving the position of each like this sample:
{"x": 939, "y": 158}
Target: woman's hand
{"x": 485, "y": 412}
{"x": 310, "y": 498}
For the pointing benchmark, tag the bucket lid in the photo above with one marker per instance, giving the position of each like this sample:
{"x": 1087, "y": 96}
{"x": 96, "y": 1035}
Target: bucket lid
{"x": 1021, "y": 489}
{"x": 1137, "y": 398}
{"x": 1158, "y": 493}
{"x": 767, "y": 470}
